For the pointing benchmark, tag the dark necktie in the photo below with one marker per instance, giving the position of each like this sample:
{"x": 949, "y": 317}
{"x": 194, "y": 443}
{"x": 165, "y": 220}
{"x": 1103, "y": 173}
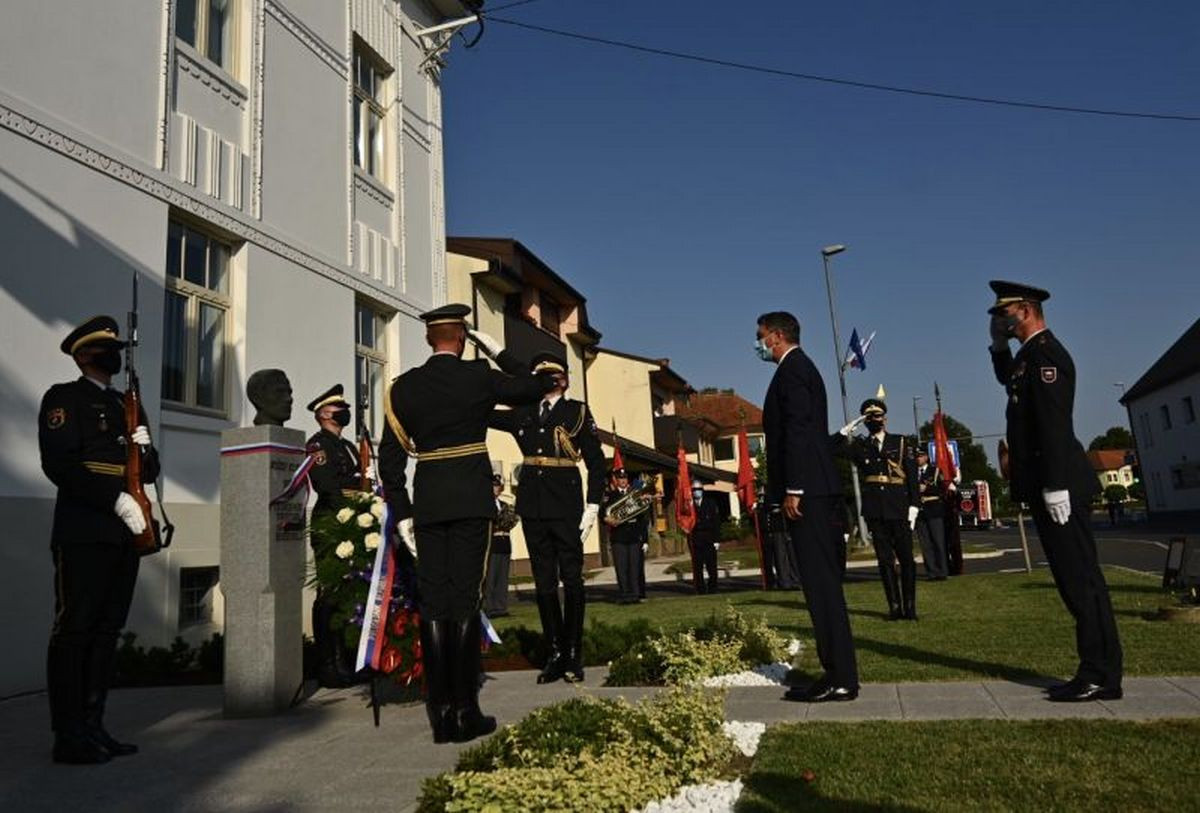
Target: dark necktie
{"x": 544, "y": 415}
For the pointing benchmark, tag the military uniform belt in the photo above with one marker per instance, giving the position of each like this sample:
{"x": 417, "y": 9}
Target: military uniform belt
{"x": 559, "y": 462}
{"x": 885, "y": 480}
{"x": 930, "y": 499}
{"x": 111, "y": 469}
{"x": 350, "y": 492}
{"x": 451, "y": 452}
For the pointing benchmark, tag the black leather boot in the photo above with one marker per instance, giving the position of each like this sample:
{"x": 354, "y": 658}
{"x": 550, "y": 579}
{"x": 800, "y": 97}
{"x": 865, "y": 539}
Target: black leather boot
{"x": 908, "y": 588}
{"x": 65, "y": 668}
{"x": 573, "y": 628}
{"x": 470, "y": 722}
{"x": 550, "y": 612}
{"x": 891, "y": 590}
{"x": 436, "y": 643}
{"x": 332, "y": 671}
{"x": 98, "y": 676}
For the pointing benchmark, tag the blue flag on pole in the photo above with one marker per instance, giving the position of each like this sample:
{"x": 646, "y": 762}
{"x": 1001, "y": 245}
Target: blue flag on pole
{"x": 857, "y": 350}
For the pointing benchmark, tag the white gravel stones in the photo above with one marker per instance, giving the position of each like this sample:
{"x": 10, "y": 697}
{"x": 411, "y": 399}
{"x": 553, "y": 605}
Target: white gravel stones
{"x": 745, "y": 735}
{"x": 768, "y": 674}
{"x": 711, "y": 797}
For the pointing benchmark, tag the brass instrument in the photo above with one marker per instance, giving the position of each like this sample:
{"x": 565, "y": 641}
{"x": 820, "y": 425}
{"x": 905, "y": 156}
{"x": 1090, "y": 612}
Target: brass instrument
{"x": 636, "y": 502}
{"x": 506, "y": 518}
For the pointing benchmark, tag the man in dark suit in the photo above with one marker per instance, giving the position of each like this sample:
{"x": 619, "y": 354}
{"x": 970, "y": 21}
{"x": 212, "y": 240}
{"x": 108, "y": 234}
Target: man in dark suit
{"x": 890, "y": 502}
{"x": 438, "y": 413}
{"x": 930, "y": 522}
{"x": 554, "y": 435}
{"x": 801, "y": 477}
{"x": 81, "y": 435}
{"x": 625, "y": 539}
{"x": 1049, "y": 472}
{"x": 705, "y": 539}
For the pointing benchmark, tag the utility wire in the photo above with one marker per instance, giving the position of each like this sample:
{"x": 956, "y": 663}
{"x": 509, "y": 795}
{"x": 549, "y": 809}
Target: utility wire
{"x": 725, "y": 63}
{"x": 487, "y": 10}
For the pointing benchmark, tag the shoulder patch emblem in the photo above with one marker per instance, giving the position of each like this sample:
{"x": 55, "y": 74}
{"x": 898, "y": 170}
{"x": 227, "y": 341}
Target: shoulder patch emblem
{"x": 56, "y": 417}
{"x": 319, "y": 457}
{"x": 1049, "y": 375}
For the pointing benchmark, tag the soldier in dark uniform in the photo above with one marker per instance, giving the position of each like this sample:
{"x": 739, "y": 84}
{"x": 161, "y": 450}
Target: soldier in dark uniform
{"x": 554, "y": 435}
{"x": 705, "y": 540}
{"x": 439, "y": 413}
{"x": 931, "y": 529}
{"x": 81, "y": 434}
{"x": 335, "y": 474}
{"x": 626, "y": 539}
{"x": 890, "y": 502}
{"x": 500, "y": 554}
{"x": 1049, "y": 472}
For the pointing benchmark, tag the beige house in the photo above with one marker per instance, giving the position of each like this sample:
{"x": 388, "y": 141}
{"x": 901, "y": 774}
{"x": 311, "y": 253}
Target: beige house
{"x": 728, "y": 413}
{"x": 1113, "y": 467}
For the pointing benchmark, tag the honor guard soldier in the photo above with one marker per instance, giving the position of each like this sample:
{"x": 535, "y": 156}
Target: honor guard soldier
{"x": 81, "y": 434}
{"x": 931, "y": 529}
{"x": 554, "y": 435}
{"x": 1048, "y": 470}
{"x": 438, "y": 413}
{"x": 495, "y": 597}
{"x": 890, "y": 501}
{"x": 625, "y": 540}
{"x": 705, "y": 539}
{"x": 335, "y": 474}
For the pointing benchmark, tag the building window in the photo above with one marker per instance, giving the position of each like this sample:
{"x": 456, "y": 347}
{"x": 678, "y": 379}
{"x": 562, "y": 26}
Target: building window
{"x": 548, "y": 310}
{"x": 195, "y": 317}
{"x": 1189, "y": 410}
{"x": 196, "y": 587}
{"x": 1164, "y": 413}
{"x": 370, "y": 365}
{"x": 1147, "y": 434}
{"x": 756, "y": 444}
{"x": 207, "y": 26}
{"x": 723, "y": 449}
{"x": 370, "y": 78}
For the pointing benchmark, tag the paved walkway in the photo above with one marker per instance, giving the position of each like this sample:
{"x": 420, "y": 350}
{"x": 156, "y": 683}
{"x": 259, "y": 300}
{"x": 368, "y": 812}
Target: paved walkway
{"x": 326, "y": 755}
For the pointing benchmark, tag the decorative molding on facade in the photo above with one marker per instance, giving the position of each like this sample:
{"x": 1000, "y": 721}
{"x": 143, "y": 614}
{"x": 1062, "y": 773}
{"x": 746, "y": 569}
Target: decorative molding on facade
{"x": 210, "y": 76}
{"x": 20, "y": 119}
{"x": 375, "y": 23}
{"x": 166, "y": 60}
{"x": 376, "y": 255}
{"x": 437, "y": 201}
{"x": 340, "y": 63}
{"x": 372, "y": 188}
{"x": 398, "y": 136}
{"x": 257, "y": 74}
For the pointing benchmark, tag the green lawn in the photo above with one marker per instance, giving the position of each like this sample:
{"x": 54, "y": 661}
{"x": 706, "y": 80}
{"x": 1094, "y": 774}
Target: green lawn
{"x": 979, "y": 626}
{"x": 747, "y": 557}
{"x": 1068, "y": 765}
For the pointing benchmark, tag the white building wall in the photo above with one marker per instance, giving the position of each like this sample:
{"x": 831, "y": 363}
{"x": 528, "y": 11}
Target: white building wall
{"x": 109, "y": 128}
{"x": 1160, "y": 450}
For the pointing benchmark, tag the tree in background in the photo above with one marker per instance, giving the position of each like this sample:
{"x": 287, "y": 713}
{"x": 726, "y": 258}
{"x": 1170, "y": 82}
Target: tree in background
{"x": 973, "y": 460}
{"x": 1117, "y": 437}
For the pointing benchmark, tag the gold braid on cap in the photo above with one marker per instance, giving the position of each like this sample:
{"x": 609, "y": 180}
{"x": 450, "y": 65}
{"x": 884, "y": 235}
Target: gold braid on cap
{"x": 406, "y": 442}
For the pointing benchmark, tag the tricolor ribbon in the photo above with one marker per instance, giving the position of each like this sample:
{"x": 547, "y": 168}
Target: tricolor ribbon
{"x": 379, "y": 599}
{"x": 300, "y": 478}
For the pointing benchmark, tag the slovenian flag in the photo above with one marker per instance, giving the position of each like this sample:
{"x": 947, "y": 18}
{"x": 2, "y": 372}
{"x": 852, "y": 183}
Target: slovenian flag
{"x": 857, "y": 357}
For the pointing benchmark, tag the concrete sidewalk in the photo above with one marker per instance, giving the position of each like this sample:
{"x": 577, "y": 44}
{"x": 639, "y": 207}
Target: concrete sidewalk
{"x": 326, "y": 754}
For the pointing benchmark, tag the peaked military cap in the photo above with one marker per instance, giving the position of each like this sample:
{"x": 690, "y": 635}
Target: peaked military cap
{"x": 872, "y": 406}
{"x": 453, "y": 314}
{"x": 97, "y": 330}
{"x": 548, "y": 362}
{"x": 1010, "y": 292}
{"x": 333, "y": 395}
{"x": 620, "y": 472}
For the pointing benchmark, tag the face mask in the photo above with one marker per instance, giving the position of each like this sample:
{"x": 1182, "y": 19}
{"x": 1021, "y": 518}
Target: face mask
{"x": 109, "y": 361}
{"x": 341, "y": 417}
{"x": 1010, "y": 322}
{"x": 697, "y": 496}
{"x": 764, "y": 352}
{"x": 874, "y": 427}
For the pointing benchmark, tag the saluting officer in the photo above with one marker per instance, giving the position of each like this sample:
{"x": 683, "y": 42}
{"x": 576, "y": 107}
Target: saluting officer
{"x": 438, "y": 413}
{"x": 335, "y": 474}
{"x": 931, "y": 529}
{"x": 1050, "y": 473}
{"x": 81, "y": 434}
{"x": 890, "y": 501}
{"x": 554, "y": 435}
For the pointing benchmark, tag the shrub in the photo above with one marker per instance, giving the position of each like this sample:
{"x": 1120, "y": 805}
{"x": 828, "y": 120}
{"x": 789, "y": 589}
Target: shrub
{"x": 602, "y": 642}
{"x": 157, "y": 666}
{"x": 760, "y": 643}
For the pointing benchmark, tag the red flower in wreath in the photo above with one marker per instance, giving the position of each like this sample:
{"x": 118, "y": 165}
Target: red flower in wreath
{"x": 400, "y": 623}
{"x": 389, "y": 660}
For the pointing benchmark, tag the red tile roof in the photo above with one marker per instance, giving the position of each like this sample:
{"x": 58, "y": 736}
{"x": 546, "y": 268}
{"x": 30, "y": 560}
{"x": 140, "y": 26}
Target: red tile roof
{"x": 1107, "y": 459}
{"x": 725, "y": 409}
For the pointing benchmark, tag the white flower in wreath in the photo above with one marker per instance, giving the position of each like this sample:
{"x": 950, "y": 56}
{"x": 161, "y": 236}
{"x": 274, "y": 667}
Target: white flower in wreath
{"x": 345, "y": 514}
{"x": 377, "y": 510}
{"x": 344, "y": 550}
{"x": 372, "y": 541}
{"x": 365, "y": 520}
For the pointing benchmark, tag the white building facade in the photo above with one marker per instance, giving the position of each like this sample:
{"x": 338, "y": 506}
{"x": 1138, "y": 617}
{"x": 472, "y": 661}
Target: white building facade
{"x": 271, "y": 170}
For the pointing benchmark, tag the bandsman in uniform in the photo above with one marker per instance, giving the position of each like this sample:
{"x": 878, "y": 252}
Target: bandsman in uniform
{"x": 1048, "y": 471}
{"x": 335, "y": 474}
{"x": 626, "y": 540}
{"x": 554, "y": 435}
{"x": 890, "y": 501}
{"x": 495, "y": 602}
{"x": 438, "y": 413}
{"x": 931, "y": 529}
{"x": 81, "y": 434}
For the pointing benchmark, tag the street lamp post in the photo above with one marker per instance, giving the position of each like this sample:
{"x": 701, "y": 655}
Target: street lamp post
{"x": 826, "y": 253}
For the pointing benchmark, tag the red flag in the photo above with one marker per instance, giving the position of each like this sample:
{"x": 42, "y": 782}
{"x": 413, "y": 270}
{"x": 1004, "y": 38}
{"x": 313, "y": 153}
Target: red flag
{"x": 685, "y": 512}
{"x": 941, "y": 449}
{"x": 745, "y": 477}
{"x": 618, "y": 462}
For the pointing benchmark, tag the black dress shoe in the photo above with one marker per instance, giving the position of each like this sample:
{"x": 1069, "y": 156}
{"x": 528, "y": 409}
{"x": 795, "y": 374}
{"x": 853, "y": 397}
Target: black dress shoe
{"x": 78, "y": 749}
{"x": 1083, "y": 692}
{"x": 830, "y": 694}
{"x": 1069, "y": 686}
{"x": 106, "y": 741}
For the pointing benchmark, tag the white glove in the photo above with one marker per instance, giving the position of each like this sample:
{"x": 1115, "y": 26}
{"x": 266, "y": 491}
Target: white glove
{"x": 912, "y": 516}
{"x": 371, "y": 472}
{"x": 645, "y": 549}
{"x": 716, "y": 546}
{"x": 130, "y": 513}
{"x": 849, "y": 428}
{"x": 485, "y": 342}
{"x": 589, "y": 519}
{"x": 407, "y": 536}
{"x": 1058, "y": 504}
{"x": 141, "y": 436}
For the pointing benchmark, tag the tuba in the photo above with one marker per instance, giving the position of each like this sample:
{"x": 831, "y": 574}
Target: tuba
{"x": 639, "y": 500}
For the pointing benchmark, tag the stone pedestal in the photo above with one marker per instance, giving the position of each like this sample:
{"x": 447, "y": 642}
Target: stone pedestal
{"x": 262, "y": 569}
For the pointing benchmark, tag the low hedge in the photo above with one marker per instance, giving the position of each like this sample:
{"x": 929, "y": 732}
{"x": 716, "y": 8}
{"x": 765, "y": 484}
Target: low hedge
{"x": 602, "y": 642}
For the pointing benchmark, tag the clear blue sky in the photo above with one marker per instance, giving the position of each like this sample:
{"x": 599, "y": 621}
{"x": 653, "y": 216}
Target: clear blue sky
{"x": 683, "y": 200}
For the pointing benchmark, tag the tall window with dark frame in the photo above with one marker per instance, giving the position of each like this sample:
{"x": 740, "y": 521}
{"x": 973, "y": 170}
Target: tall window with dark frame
{"x": 195, "y": 317}
{"x": 370, "y": 365}
{"x": 1189, "y": 410}
{"x": 370, "y": 80}
{"x": 196, "y": 587}
{"x": 207, "y": 26}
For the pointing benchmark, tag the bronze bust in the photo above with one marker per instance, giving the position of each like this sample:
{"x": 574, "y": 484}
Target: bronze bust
{"x": 271, "y": 393}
